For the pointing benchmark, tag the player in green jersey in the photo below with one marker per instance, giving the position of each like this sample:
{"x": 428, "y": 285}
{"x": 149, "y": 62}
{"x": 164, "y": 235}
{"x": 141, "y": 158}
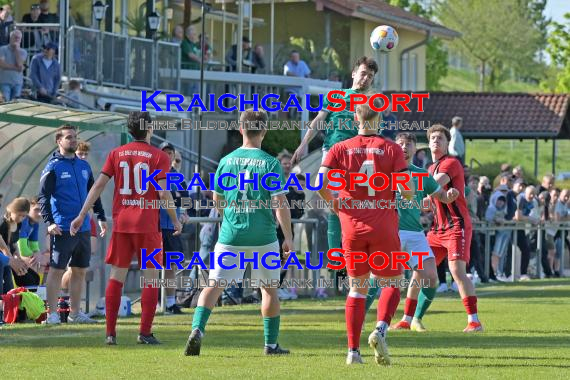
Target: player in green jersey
{"x": 363, "y": 73}
{"x": 248, "y": 230}
{"x": 413, "y": 239}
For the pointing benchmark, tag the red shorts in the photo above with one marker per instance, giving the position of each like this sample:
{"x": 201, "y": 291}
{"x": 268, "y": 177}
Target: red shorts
{"x": 451, "y": 245}
{"x": 387, "y": 244}
{"x": 124, "y": 245}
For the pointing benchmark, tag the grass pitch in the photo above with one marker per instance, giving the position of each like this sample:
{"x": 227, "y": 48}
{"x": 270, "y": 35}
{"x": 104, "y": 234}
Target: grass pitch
{"x": 526, "y": 336}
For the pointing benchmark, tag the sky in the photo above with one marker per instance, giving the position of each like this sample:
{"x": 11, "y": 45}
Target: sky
{"x": 555, "y": 9}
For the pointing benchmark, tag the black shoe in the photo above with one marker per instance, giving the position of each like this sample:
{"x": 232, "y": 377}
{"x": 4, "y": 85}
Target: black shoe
{"x": 174, "y": 309}
{"x": 111, "y": 340}
{"x": 557, "y": 274}
{"x": 194, "y": 343}
{"x": 275, "y": 351}
{"x": 147, "y": 339}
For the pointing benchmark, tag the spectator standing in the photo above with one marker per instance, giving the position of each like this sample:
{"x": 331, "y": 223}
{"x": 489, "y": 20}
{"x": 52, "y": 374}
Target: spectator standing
{"x": 495, "y": 214}
{"x": 296, "y": 67}
{"x": 64, "y": 184}
{"x": 190, "y": 50}
{"x": 457, "y": 145}
{"x": 6, "y": 24}
{"x": 525, "y": 206}
{"x": 231, "y": 54}
{"x": 561, "y": 214}
{"x": 475, "y": 259}
{"x": 45, "y": 73}
{"x": 12, "y": 60}
{"x": 258, "y": 60}
{"x": 177, "y": 34}
{"x": 32, "y": 36}
{"x": 518, "y": 172}
{"x": 45, "y": 16}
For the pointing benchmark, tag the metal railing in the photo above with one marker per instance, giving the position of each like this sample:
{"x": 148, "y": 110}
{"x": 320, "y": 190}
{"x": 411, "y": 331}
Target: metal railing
{"x": 122, "y": 61}
{"x": 488, "y": 229}
{"x": 35, "y": 36}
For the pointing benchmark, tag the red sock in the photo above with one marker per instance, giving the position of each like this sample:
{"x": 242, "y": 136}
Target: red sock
{"x": 470, "y": 304}
{"x": 354, "y": 320}
{"x": 112, "y": 303}
{"x": 387, "y": 304}
{"x": 149, "y": 299}
{"x": 410, "y": 307}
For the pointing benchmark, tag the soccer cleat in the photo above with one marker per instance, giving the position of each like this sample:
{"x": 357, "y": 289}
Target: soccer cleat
{"x": 473, "y": 327}
{"x": 111, "y": 340}
{"x": 402, "y": 325}
{"x": 353, "y": 357}
{"x": 194, "y": 343}
{"x": 377, "y": 342}
{"x": 275, "y": 351}
{"x": 147, "y": 339}
{"x": 52, "y": 319}
{"x": 417, "y": 326}
{"x": 174, "y": 309}
{"x": 80, "y": 318}
{"x": 442, "y": 288}
{"x": 454, "y": 287}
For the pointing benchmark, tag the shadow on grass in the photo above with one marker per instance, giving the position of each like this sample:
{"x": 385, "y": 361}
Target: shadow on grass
{"x": 301, "y": 339}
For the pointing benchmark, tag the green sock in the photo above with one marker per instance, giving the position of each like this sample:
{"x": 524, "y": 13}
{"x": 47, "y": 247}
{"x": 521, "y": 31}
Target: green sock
{"x": 201, "y": 315}
{"x": 333, "y": 232}
{"x": 424, "y": 300}
{"x": 271, "y": 329}
{"x": 370, "y": 297}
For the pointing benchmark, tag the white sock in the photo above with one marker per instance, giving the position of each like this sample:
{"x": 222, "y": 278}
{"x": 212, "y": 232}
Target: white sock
{"x": 273, "y": 345}
{"x": 472, "y": 318}
{"x": 170, "y": 301}
{"x": 382, "y": 327}
{"x": 407, "y": 318}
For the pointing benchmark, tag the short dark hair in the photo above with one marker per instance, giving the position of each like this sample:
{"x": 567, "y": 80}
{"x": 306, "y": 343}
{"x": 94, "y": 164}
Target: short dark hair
{"x": 253, "y": 122}
{"x": 74, "y": 84}
{"x": 439, "y": 128}
{"x": 294, "y": 51}
{"x": 59, "y": 131}
{"x": 369, "y": 62}
{"x": 134, "y": 124}
{"x": 408, "y": 136}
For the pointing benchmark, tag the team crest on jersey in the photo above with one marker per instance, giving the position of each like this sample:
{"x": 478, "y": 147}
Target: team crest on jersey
{"x": 85, "y": 174}
{"x": 65, "y": 175}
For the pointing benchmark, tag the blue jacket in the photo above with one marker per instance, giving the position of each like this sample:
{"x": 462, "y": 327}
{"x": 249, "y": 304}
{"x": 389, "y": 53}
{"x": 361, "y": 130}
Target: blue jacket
{"x": 42, "y": 77}
{"x": 64, "y": 186}
{"x": 165, "y": 222}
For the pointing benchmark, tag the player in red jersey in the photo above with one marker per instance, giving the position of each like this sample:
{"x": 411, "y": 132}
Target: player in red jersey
{"x": 450, "y": 234}
{"x": 134, "y": 226}
{"x": 368, "y": 230}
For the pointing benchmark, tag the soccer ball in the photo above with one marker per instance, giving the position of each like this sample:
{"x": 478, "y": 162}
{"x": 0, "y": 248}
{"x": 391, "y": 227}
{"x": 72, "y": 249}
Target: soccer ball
{"x": 384, "y": 38}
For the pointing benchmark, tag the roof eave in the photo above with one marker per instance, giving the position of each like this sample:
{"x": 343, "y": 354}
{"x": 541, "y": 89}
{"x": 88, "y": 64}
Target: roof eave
{"x": 510, "y": 135}
{"x": 375, "y": 15}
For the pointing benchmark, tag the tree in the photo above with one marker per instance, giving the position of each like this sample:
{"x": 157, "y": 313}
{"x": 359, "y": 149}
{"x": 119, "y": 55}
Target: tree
{"x": 495, "y": 35}
{"x": 559, "y": 50}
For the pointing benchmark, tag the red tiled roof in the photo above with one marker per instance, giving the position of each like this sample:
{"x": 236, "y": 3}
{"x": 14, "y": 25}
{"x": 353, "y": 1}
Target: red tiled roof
{"x": 384, "y": 12}
{"x": 497, "y": 115}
